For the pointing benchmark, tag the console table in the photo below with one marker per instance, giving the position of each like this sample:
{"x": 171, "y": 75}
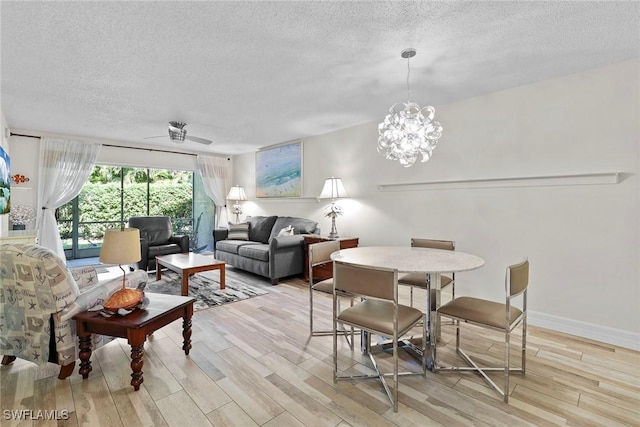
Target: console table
{"x": 325, "y": 271}
{"x": 19, "y": 236}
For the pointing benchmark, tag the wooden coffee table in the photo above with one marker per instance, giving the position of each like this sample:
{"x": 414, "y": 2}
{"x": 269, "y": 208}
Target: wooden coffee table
{"x": 189, "y": 263}
{"x": 135, "y": 327}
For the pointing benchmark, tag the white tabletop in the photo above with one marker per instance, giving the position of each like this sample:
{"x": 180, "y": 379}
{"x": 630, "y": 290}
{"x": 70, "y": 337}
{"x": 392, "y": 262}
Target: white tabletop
{"x": 407, "y": 259}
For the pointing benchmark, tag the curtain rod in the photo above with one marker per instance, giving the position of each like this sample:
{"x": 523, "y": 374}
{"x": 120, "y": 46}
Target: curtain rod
{"x": 153, "y": 149}
{"x": 122, "y": 146}
{"x": 26, "y": 136}
{"x": 148, "y": 149}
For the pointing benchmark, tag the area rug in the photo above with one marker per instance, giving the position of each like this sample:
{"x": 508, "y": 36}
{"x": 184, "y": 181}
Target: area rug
{"x": 205, "y": 287}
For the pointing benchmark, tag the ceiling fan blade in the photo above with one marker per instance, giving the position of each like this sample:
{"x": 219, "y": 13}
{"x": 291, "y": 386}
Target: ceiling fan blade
{"x": 199, "y": 140}
{"x": 160, "y": 136}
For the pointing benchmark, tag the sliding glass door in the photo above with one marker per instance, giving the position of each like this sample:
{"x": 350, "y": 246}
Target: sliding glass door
{"x": 113, "y": 194}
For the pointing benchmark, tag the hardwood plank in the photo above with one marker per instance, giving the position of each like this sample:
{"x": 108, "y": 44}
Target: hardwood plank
{"x": 201, "y": 388}
{"x": 158, "y": 380}
{"x": 230, "y": 415}
{"x": 94, "y": 403}
{"x": 135, "y": 408}
{"x": 284, "y": 420}
{"x": 179, "y": 410}
{"x": 303, "y": 407}
{"x": 259, "y": 406}
{"x": 609, "y": 411}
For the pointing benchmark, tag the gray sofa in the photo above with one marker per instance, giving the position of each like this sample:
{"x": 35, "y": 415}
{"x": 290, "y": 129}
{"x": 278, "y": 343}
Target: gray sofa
{"x": 265, "y": 253}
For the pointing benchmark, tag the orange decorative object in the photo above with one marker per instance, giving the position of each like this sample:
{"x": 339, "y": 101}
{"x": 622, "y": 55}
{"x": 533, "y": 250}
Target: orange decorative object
{"x": 19, "y": 179}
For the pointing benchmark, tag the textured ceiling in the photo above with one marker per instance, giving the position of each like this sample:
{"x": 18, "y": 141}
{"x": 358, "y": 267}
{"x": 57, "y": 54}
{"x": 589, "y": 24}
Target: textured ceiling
{"x": 252, "y": 74}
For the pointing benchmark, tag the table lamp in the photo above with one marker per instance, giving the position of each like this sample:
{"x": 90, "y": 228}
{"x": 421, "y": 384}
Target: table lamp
{"x": 122, "y": 246}
{"x": 333, "y": 189}
{"x": 236, "y": 194}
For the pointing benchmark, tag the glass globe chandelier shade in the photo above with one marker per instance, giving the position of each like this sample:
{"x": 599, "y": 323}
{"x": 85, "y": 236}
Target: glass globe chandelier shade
{"x": 408, "y": 131}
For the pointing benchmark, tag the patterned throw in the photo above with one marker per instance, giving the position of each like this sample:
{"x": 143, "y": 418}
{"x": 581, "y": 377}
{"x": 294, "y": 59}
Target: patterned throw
{"x": 205, "y": 287}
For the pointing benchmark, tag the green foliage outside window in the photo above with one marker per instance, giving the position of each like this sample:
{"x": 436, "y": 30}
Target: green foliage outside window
{"x": 170, "y": 193}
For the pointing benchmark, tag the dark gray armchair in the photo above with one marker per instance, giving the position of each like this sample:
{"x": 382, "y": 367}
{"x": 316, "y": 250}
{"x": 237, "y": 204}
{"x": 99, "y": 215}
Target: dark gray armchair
{"x": 156, "y": 238}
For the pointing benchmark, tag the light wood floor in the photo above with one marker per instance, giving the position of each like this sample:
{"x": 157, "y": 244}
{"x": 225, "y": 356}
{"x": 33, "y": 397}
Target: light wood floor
{"x": 253, "y": 364}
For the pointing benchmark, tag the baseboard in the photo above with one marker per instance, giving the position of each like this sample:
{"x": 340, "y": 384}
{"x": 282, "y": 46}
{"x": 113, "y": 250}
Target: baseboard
{"x": 604, "y": 334}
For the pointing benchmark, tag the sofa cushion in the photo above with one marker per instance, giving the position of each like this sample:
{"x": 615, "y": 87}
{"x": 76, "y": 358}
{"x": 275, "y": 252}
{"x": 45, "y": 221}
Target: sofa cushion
{"x": 259, "y": 252}
{"x": 231, "y": 246}
{"x": 300, "y": 225}
{"x": 260, "y": 228}
{"x": 238, "y": 231}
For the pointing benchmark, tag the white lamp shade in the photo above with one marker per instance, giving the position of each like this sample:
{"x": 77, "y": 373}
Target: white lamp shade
{"x": 236, "y": 193}
{"x": 333, "y": 189}
{"x": 120, "y": 246}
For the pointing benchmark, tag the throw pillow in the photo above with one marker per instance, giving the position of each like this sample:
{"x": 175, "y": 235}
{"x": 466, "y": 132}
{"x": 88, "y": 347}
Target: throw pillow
{"x": 286, "y": 231}
{"x": 238, "y": 231}
{"x": 260, "y": 229}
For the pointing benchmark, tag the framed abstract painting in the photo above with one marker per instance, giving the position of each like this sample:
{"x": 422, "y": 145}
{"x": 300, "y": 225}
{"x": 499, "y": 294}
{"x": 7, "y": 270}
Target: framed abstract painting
{"x": 5, "y": 182}
{"x": 279, "y": 171}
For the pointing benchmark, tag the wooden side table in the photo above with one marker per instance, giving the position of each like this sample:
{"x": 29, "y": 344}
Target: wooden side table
{"x": 325, "y": 271}
{"x": 135, "y": 327}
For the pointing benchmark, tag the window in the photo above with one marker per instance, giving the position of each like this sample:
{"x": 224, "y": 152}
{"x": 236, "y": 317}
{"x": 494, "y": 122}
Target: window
{"x": 113, "y": 194}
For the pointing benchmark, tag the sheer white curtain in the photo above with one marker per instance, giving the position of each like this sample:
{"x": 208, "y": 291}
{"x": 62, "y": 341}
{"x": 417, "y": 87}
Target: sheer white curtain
{"x": 216, "y": 178}
{"x": 64, "y": 168}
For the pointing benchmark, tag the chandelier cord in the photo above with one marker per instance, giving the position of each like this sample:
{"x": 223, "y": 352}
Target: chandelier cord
{"x": 408, "y": 74}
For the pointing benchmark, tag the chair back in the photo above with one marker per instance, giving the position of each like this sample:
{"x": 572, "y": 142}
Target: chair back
{"x": 34, "y": 284}
{"x": 320, "y": 253}
{"x": 155, "y": 229}
{"x": 446, "y": 245}
{"x": 366, "y": 281}
{"x": 517, "y": 278}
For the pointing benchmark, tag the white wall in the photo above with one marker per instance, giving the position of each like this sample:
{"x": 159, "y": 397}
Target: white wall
{"x": 582, "y": 240}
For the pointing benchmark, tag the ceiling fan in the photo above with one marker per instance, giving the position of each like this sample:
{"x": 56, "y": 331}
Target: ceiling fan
{"x": 178, "y": 133}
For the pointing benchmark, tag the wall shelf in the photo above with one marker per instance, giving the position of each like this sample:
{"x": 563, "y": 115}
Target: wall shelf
{"x": 528, "y": 181}
{"x": 15, "y": 187}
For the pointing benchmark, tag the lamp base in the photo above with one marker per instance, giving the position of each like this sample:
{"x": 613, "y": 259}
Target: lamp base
{"x": 333, "y": 234}
{"x": 127, "y": 298}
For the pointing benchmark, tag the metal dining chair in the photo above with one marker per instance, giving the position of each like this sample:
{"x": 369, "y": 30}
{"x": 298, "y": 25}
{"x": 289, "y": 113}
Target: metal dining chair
{"x": 379, "y": 313}
{"x": 503, "y": 317}
{"x": 320, "y": 254}
{"x": 419, "y": 280}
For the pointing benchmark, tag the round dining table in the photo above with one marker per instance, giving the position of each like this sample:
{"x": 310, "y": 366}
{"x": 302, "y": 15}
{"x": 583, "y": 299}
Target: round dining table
{"x": 407, "y": 259}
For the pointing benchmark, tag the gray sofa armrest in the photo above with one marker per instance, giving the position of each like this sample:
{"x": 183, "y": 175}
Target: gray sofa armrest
{"x": 281, "y": 242}
{"x": 285, "y": 256}
{"x": 219, "y": 234}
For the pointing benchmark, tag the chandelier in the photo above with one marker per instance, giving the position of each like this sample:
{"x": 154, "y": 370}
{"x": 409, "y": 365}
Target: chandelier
{"x": 408, "y": 130}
